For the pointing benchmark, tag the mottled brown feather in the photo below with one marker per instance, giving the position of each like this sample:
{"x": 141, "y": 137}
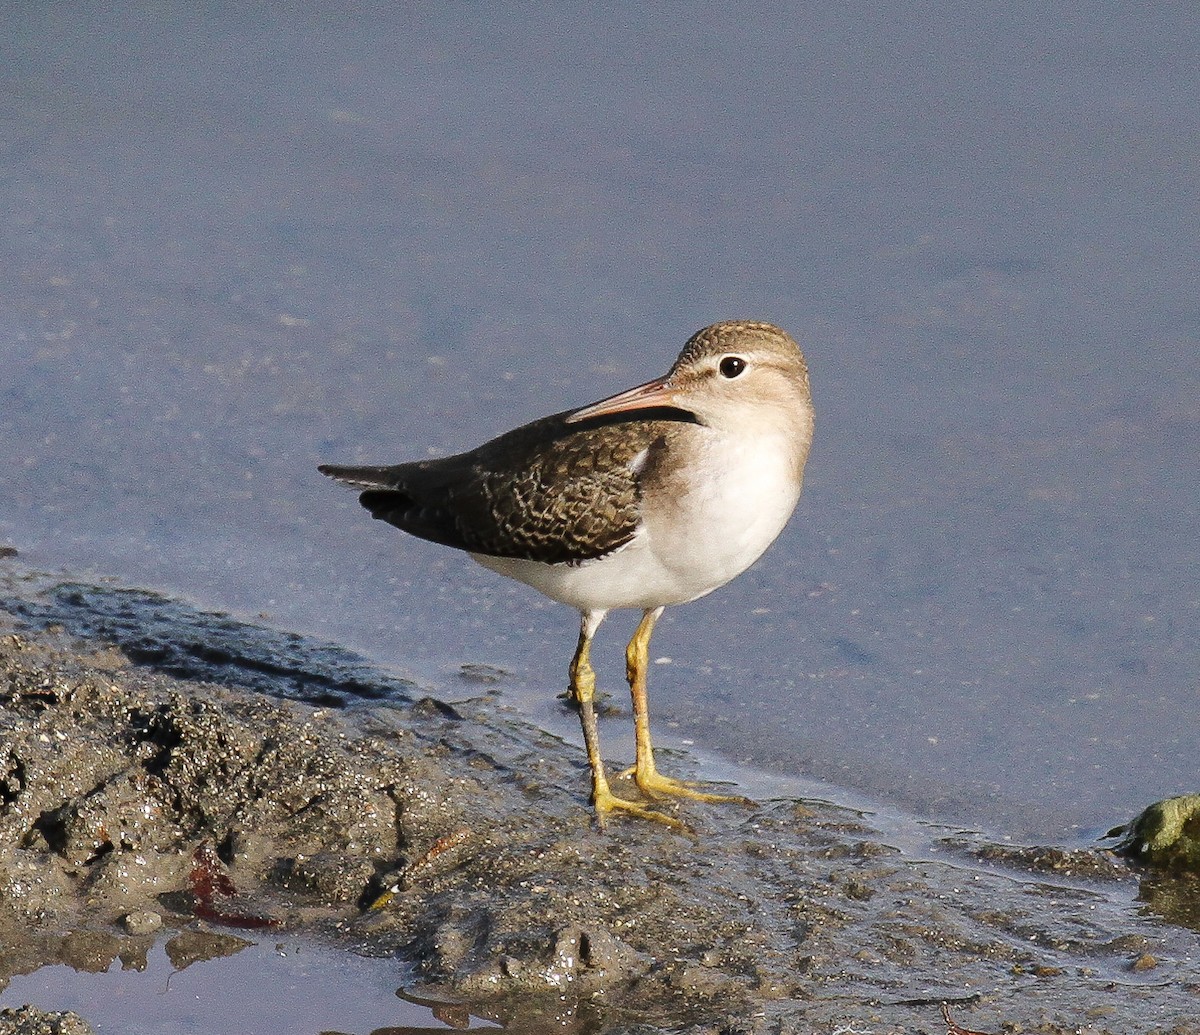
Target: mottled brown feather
{"x": 547, "y": 491}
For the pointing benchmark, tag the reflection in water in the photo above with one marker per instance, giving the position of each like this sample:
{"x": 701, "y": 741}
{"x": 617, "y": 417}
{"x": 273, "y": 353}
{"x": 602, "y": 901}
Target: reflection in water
{"x": 285, "y": 987}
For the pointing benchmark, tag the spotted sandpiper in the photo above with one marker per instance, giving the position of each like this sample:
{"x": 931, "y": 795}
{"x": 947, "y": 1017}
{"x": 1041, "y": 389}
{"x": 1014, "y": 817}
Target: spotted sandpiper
{"x": 652, "y": 497}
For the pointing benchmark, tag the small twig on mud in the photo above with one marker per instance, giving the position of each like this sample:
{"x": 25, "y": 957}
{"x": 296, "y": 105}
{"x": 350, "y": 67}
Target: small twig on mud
{"x": 442, "y": 844}
{"x": 954, "y": 1029}
{"x": 415, "y": 868}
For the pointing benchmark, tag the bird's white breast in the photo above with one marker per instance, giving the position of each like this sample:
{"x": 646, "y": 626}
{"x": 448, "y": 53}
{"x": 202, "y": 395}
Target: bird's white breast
{"x": 712, "y": 517}
{"x": 709, "y": 510}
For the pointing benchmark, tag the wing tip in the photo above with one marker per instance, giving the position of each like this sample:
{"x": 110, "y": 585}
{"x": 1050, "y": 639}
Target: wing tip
{"x": 356, "y": 477}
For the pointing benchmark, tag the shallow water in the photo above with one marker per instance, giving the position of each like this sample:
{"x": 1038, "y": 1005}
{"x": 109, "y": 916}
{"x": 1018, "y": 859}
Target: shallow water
{"x": 286, "y": 986}
{"x": 240, "y": 243}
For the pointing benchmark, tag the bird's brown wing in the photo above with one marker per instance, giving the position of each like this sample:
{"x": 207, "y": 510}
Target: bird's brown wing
{"x": 548, "y": 491}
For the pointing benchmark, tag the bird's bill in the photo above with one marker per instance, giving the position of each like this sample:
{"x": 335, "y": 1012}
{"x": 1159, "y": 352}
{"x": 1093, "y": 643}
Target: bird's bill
{"x": 653, "y": 393}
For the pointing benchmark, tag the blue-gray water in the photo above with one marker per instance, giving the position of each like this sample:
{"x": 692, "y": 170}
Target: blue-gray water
{"x": 237, "y": 242}
{"x": 278, "y": 988}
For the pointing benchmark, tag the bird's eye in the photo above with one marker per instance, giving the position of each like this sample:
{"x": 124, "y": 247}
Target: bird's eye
{"x": 731, "y": 366}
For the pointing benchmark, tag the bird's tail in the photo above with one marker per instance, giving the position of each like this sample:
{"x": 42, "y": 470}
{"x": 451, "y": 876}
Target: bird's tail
{"x": 360, "y": 477}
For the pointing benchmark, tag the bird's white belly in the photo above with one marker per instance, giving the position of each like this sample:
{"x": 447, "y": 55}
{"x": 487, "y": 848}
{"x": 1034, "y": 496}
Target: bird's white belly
{"x": 704, "y": 524}
{"x": 628, "y": 577}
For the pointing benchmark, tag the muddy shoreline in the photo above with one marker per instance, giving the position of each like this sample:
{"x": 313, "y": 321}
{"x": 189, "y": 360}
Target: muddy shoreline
{"x": 167, "y": 774}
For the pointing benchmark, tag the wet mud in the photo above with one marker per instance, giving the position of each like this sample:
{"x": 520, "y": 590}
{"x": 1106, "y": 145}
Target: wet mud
{"x": 172, "y": 776}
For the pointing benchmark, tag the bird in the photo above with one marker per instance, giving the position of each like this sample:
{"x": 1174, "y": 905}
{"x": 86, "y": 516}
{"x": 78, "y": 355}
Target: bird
{"x": 644, "y": 500}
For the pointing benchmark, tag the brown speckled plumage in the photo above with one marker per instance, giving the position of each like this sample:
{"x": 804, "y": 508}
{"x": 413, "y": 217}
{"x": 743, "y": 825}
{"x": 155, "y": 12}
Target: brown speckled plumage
{"x": 548, "y": 491}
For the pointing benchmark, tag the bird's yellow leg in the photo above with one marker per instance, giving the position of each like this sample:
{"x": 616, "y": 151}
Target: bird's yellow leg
{"x": 583, "y": 689}
{"x": 645, "y": 774}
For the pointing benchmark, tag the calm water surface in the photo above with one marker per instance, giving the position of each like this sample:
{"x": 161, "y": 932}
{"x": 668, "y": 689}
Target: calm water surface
{"x": 283, "y": 988}
{"x": 238, "y": 243}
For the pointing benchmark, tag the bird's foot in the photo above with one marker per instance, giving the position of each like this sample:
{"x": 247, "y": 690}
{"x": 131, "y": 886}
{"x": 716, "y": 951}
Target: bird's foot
{"x": 606, "y": 803}
{"x": 654, "y": 785}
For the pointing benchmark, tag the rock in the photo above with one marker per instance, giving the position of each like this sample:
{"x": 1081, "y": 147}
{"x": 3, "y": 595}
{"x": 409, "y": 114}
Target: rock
{"x": 141, "y": 922}
{"x": 29, "y": 1020}
{"x": 1166, "y": 835}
